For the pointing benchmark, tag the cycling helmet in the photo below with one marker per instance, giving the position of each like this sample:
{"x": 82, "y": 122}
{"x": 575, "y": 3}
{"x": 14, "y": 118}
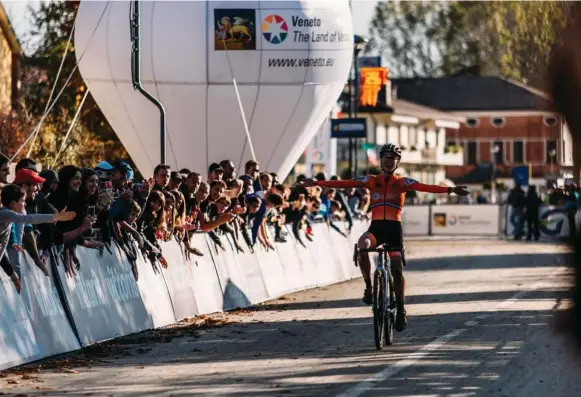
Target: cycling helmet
{"x": 390, "y": 148}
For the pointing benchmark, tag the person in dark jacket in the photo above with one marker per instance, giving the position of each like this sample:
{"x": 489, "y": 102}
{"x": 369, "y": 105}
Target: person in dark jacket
{"x": 517, "y": 200}
{"x": 533, "y": 202}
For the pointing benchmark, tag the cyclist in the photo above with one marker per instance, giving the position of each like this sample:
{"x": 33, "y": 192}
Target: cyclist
{"x": 387, "y": 200}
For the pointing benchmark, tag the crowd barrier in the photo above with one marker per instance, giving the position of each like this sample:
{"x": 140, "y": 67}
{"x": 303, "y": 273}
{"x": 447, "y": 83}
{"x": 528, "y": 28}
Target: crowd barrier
{"x": 57, "y": 314}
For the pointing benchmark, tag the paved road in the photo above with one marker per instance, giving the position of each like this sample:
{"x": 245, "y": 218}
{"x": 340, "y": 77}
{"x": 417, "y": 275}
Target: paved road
{"x": 479, "y": 325}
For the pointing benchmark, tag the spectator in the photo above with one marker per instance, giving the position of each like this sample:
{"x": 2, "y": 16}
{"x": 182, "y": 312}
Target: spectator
{"x": 265, "y": 184}
{"x": 341, "y": 199}
{"x": 175, "y": 181}
{"x": 13, "y": 203}
{"x": 150, "y": 221}
{"x": 533, "y": 202}
{"x": 229, "y": 171}
{"x": 161, "y": 175}
{"x": 261, "y": 214}
{"x": 215, "y": 172}
{"x": 517, "y": 200}
{"x": 571, "y": 206}
{"x": 4, "y": 169}
{"x": 26, "y": 164}
{"x": 251, "y": 178}
{"x": 24, "y": 234}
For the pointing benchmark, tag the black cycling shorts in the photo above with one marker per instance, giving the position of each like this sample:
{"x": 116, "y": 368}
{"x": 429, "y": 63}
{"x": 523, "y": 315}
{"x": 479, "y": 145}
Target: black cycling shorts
{"x": 387, "y": 232}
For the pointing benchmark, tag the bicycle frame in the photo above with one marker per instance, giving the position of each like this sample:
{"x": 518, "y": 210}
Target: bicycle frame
{"x": 384, "y": 305}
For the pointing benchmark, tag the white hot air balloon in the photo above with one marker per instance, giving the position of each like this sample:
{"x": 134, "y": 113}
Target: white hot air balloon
{"x": 290, "y": 59}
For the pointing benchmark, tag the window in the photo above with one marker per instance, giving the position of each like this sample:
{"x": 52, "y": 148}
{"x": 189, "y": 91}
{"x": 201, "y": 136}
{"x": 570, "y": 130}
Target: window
{"x": 497, "y": 149}
{"x": 472, "y": 122}
{"x": 518, "y": 152}
{"x": 550, "y": 121}
{"x": 472, "y": 151}
{"x": 551, "y": 152}
{"x": 497, "y": 121}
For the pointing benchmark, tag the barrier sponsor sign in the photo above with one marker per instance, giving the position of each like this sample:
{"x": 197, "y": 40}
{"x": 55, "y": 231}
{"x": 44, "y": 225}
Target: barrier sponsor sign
{"x": 206, "y": 285}
{"x": 154, "y": 293}
{"x": 465, "y": 220}
{"x": 231, "y": 280}
{"x": 553, "y": 222}
{"x": 326, "y": 269}
{"x": 54, "y": 333}
{"x": 17, "y": 340}
{"x": 416, "y": 220}
{"x": 179, "y": 280}
{"x": 33, "y": 324}
{"x": 103, "y": 297}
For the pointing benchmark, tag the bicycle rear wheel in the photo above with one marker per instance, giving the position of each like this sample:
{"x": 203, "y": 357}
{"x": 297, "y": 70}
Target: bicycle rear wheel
{"x": 379, "y": 317}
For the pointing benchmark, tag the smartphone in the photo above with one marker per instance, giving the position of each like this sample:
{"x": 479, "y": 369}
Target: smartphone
{"x": 104, "y": 185}
{"x": 91, "y": 210}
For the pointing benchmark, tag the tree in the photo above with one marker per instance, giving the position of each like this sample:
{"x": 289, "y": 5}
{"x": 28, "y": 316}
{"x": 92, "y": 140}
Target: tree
{"x": 403, "y": 31}
{"x": 503, "y": 38}
{"x": 92, "y": 138}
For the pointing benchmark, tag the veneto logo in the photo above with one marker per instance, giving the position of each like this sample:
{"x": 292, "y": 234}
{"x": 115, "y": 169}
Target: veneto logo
{"x": 274, "y": 29}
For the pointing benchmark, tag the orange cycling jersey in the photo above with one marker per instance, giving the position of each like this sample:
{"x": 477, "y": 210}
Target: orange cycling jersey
{"x": 387, "y": 193}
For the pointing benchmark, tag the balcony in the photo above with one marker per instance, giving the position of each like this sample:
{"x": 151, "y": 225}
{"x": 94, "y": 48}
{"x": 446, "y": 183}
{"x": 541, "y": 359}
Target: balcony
{"x": 432, "y": 156}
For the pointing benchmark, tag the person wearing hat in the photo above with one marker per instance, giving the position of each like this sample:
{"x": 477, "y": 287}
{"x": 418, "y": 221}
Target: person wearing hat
{"x": 215, "y": 172}
{"x": 175, "y": 181}
{"x": 13, "y": 201}
{"x": 24, "y": 234}
{"x": 26, "y": 164}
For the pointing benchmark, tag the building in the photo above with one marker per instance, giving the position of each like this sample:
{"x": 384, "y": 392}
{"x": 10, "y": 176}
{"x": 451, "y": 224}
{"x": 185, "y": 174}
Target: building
{"x": 507, "y": 124}
{"x": 420, "y": 131}
{"x": 10, "y": 57}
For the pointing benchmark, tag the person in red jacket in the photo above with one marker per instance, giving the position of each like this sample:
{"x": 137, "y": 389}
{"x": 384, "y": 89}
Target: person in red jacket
{"x": 387, "y": 200}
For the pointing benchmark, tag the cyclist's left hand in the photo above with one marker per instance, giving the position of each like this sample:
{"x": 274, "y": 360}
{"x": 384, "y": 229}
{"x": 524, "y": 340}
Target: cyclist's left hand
{"x": 460, "y": 191}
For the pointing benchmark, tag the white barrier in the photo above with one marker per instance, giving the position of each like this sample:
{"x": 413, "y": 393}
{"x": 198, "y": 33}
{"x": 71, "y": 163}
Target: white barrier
{"x": 416, "y": 220}
{"x": 33, "y": 325}
{"x": 103, "y": 297}
{"x": 463, "y": 220}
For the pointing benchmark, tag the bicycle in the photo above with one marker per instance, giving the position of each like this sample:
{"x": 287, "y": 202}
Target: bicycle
{"x": 384, "y": 303}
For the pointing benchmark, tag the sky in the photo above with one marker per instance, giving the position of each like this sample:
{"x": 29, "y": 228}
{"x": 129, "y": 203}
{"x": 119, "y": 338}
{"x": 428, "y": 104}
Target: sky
{"x": 19, "y": 15}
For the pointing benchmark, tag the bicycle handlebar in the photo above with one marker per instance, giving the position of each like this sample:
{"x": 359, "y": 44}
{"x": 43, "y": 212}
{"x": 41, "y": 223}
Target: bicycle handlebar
{"x": 381, "y": 249}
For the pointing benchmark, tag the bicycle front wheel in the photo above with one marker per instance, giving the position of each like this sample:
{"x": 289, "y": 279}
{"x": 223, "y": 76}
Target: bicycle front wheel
{"x": 379, "y": 309}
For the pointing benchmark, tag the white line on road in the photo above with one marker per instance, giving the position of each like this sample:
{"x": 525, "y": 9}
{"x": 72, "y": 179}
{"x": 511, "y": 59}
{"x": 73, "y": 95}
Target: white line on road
{"x": 413, "y": 358}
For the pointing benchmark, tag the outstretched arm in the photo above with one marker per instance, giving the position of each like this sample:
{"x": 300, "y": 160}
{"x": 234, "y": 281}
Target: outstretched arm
{"x": 346, "y": 184}
{"x": 409, "y": 184}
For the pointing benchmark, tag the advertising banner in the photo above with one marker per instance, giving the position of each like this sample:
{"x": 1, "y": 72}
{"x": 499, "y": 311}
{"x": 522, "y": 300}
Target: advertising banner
{"x": 231, "y": 279}
{"x": 18, "y": 343}
{"x": 465, "y": 220}
{"x": 179, "y": 280}
{"x": 416, "y": 220}
{"x": 553, "y": 222}
{"x": 103, "y": 297}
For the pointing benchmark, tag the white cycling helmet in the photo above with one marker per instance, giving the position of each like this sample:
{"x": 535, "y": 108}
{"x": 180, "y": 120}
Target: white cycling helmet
{"x": 390, "y": 148}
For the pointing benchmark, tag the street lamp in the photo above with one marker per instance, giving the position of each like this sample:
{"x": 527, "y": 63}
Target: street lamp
{"x": 493, "y": 151}
{"x": 359, "y": 43}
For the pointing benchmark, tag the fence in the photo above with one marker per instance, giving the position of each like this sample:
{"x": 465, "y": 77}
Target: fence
{"x": 58, "y": 314}
{"x": 480, "y": 220}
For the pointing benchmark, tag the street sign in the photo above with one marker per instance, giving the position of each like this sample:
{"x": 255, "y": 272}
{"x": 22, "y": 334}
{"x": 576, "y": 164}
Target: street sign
{"x": 521, "y": 175}
{"x": 369, "y": 62}
{"x": 349, "y": 128}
